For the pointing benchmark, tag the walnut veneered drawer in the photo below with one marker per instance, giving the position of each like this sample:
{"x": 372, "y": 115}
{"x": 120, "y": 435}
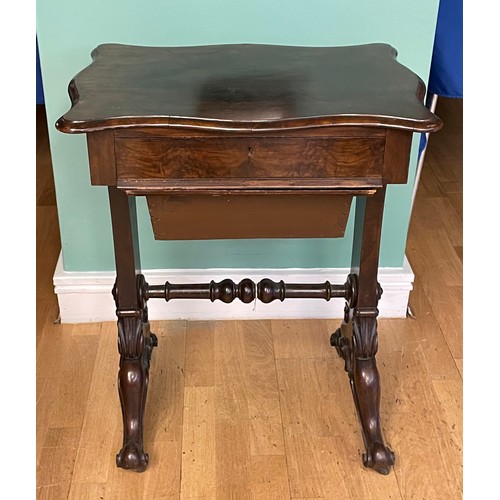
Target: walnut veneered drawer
{"x": 249, "y": 157}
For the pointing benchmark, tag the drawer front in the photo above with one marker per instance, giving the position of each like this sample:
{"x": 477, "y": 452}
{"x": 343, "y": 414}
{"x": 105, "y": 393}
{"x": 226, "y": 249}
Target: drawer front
{"x": 249, "y": 158}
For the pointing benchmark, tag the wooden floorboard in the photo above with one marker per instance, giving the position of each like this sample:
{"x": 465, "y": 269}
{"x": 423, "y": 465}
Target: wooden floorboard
{"x": 262, "y": 409}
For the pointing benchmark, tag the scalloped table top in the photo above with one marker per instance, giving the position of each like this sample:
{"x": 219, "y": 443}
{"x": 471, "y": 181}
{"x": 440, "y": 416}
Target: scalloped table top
{"x": 246, "y": 88}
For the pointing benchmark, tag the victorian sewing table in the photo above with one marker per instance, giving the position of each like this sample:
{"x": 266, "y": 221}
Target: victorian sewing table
{"x": 248, "y": 141}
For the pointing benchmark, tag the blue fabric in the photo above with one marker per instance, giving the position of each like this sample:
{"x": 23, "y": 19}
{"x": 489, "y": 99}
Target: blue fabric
{"x": 423, "y": 143}
{"x": 446, "y": 75}
{"x": 39, "y": 85}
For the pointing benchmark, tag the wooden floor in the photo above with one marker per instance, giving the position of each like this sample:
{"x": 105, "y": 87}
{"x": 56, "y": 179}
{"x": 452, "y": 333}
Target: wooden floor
{"x": 262, "y": 409}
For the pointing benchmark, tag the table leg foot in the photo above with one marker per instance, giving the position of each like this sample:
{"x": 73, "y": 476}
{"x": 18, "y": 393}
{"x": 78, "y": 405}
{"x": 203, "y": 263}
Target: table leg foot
{"x": 133, "y": 458}
{"x": 136, "y": 343}
{"x": 132, "y": 386}
{"x": 379, "y": 457}
{"x": 358, "y": 353}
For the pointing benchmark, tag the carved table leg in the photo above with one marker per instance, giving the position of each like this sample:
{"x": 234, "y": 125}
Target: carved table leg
{"x": 359, "y": 349}
{"x": 135, "y": 342}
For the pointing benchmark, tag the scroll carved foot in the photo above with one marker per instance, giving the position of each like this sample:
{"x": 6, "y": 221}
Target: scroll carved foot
{"x": 132, "y": 386}
{"x": 132, "y": 457}
{"x": 379, "y": 457}
{"x": 135, "y": 344}
{"x": 358, "y": 353}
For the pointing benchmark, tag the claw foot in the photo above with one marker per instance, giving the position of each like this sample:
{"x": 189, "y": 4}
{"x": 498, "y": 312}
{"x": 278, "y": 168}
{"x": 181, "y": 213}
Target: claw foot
{"x": 130, "y": 457}
{"x": 379, "y": 457}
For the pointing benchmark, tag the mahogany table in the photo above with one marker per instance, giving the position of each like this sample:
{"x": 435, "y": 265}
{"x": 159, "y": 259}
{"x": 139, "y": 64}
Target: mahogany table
{"x": 248, "y": 141}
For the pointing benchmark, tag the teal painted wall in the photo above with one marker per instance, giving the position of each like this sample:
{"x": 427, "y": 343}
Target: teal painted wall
{"x": 67, "y": 33}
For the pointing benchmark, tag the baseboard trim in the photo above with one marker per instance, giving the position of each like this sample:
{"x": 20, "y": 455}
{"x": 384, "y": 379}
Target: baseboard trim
{"x": 84, "y": 297}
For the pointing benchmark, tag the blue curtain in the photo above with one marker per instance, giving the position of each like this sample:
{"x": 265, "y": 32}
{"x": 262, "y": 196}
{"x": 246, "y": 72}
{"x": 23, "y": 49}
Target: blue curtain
{"x": 39, "y": 86}
{"x": 446, "y": 75}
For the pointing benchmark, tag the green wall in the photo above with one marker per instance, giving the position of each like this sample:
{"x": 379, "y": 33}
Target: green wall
{"x": 67, "y": 33}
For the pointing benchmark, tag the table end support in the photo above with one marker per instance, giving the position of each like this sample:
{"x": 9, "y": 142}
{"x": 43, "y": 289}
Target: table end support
{"x": 135, "y": 345}
{"x": 358, "y": 350}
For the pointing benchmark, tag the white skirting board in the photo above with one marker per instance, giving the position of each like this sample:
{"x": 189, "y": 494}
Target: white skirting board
{"x": 85, "y": 297}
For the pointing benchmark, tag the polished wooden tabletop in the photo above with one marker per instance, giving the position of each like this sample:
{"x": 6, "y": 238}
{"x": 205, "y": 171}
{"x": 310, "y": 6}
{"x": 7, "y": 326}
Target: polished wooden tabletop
{"x": 246, "y": 87}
